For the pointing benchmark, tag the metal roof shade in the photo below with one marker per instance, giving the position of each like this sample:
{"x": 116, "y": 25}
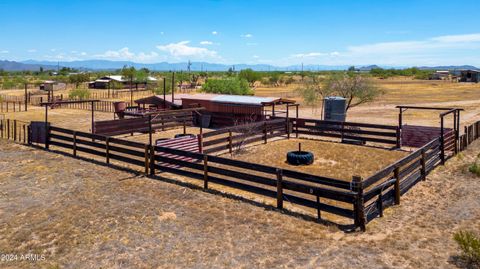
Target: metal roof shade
{"x": 217, "y": 98}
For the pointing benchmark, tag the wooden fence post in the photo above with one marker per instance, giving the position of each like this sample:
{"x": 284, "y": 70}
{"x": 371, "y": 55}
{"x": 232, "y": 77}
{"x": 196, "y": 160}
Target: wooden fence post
{"x": 319, "y": 213}
{"x": 1, "y": 128}
{"x": 74, "y": 144}
{"x": 14, "y": 130}
{"x": 205, "y": 172}
{"x": 265, "y": 131}
{"x": 398, "y": 138}
{"x": 423, "y": 161}
{"x": 279, "y": 188}
{"x": 359, "y": 211}
{"x": 24, "y": 134}
{"x": 147, "y": 158}
{"x": 152, "y": 160}
{"x": 107, "y": 149}
{"x": 396, "y": 174}
{"x": 442, "y": 141}
{"x": 200, "y": 140}
{"x": 8, "y": 128}
{"x": 229, "y": 141}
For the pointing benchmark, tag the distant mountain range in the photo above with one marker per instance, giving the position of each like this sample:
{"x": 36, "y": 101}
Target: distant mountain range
{"x": 18, "y": 66}
{"x": 33, "y": 65}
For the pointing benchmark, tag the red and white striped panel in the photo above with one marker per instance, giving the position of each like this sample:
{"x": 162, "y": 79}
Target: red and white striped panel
{"x": 181, "y": 143}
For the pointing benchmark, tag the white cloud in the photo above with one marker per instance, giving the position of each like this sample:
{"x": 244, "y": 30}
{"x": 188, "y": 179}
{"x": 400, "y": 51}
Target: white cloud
{"x": 83, "y": 53}
{"x": 458, "y": 38}
{"x": 53, "y": 50}
{"x": 182, "y": 49}
{"x": 214, "y": 33}
{"x": 4, "y": 51}
{"x": 308, "y": 55}
{"x": 247, "y": 35}
{"x": 206, "y": 42}
{"x": 126, "y": 54}
{"x": 162, "y": 33}
{"x": 256, "y": 56}
{"x": 251, "y": 44}
{"x": 32, "y": 50}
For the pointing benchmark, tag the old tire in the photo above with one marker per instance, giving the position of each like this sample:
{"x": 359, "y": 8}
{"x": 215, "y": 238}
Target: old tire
{"x": 300, "y": 158}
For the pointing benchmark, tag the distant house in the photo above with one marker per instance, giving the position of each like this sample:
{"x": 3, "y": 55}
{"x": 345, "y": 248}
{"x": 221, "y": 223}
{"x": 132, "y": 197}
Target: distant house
{"x": 50, "y": 85}
{"x": 470, "y": 76}
{"x": 108, "y": 81}
{"x": 440, "y": 75}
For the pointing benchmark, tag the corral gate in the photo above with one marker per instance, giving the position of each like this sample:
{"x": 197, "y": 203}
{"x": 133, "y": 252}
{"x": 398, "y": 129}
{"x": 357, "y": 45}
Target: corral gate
{"x": 418, "y": 136}
{"x": 185, "y": 143}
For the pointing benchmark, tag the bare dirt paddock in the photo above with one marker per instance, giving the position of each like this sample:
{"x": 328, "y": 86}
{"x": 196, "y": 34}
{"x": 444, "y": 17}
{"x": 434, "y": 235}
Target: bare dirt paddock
{"x": 82, "y": 215}
{"x": 335, "y": 160}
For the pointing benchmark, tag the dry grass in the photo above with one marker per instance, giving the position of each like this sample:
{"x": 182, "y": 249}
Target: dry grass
{"x": 81, "y": 215}
{"x": 402, "y": 91}
{"x": 333, "y": 160}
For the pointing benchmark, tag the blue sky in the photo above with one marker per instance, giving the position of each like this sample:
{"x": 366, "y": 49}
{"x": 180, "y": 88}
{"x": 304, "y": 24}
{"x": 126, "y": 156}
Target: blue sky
{"x": 328, "y": 32}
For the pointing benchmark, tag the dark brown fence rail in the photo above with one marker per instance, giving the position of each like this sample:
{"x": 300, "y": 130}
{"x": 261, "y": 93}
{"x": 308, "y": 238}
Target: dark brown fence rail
{"x": 12, "y": 106}
{"x": 161, "y": 121}
{"x": 471, "y": 133}
{"x": 348, "y": 131}
{"x": 231, "y": 138}
{"x": 385, "y": 187}
{"x": 15, "y": 130}
{"x": 360, "y": 200}
{"x": 129, "y": 152}
{"x": 99, "y": 106}
{"x": 119, "y": 94}
{"x": 320, "y": 193}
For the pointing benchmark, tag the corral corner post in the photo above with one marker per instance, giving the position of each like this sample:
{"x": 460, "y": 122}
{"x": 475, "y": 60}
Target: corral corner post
{"x": 26, "y": 97}
{"x": 359, "y": 210}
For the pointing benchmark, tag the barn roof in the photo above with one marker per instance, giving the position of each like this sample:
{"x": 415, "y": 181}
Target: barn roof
{"x": 236, "y": 99}
{"x": 216, "y": 98}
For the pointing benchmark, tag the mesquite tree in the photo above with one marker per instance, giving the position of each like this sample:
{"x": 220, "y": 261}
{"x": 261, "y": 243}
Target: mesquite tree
{"x": 357, "y": 89}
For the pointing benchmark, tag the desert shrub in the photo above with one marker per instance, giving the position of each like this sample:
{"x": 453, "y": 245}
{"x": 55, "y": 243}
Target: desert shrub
{"x": 227, "y": 86}
{"x": 469, "y": 244}
{"x": 474, "y": 168}
{"x": 249, "y": 75}
{"x": 79, "y": 93}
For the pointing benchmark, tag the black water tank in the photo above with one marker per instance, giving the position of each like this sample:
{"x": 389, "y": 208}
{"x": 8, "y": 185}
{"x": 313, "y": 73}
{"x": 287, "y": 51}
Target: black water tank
{"x": 334, "y": 108}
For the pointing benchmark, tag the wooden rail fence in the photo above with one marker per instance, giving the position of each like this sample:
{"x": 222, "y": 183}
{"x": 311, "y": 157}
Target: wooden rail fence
{"x": 160, "y": 121}
{"x": 234, "y": 137}
{"x": 358, "y": 200}
{"x": 15, "y": 130}
{"x": 348, "y": 131}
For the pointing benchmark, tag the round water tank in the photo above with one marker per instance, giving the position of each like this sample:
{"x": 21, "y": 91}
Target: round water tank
{"x": 334, "y": 108}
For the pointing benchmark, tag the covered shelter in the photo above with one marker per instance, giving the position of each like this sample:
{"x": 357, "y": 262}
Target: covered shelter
{"x": 470, "y": 76}
{"x": 224, "y": 110}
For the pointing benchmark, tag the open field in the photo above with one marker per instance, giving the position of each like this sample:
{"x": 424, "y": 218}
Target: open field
{"x": 398, "y": 91}
{"x": 79, "y": 214}
{"x": 335, "y": 160}
{"x": 402, "y": 91}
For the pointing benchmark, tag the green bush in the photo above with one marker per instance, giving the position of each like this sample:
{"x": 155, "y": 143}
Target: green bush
{"x": 79, "y": 93}
{"x": 227, "y": 86}
{"x": 474, "y": 168}
{"x": 469, "y": 243}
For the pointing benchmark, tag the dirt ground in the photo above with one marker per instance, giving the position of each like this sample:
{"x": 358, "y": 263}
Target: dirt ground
{"x": 81, "y": 215}
{"x": 335, "y": 160}
{"x": 401, "y": 91}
